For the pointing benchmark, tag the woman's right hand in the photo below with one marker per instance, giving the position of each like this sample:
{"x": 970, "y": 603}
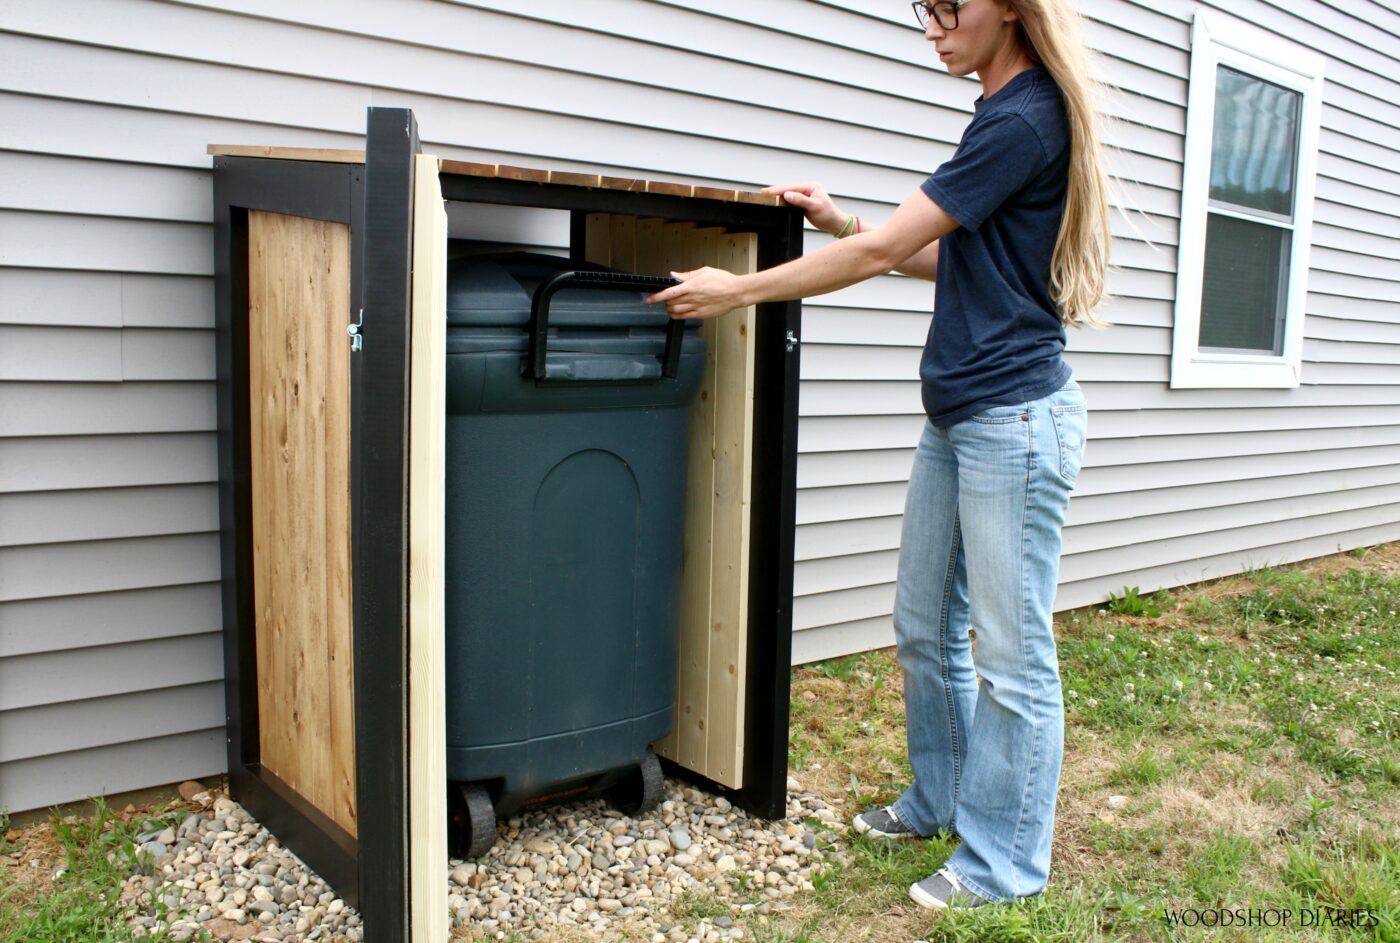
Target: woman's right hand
{"x": 814, "y": 201}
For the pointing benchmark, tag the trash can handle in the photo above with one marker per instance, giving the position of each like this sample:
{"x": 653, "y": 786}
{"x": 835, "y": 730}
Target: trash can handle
{"x": 539, "y": 313}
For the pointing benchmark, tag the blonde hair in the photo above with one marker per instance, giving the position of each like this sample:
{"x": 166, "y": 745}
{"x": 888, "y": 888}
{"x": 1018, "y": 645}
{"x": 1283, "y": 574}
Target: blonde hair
{"x": 1050, "y": 32}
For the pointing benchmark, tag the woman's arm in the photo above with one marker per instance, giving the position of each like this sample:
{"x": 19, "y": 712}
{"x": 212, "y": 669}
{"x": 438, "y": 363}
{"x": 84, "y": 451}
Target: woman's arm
{"x": 922, "y": 264}
{"x": 916, "y": 226}
{"x": 822, "y": 212}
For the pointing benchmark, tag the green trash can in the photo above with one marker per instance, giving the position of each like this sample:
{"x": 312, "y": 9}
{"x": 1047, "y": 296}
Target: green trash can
{"x": 568, "y": 429}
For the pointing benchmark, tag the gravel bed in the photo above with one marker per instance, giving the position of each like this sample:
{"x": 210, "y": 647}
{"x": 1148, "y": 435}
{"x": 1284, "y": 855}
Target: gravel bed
{"x": 581, "y": 865}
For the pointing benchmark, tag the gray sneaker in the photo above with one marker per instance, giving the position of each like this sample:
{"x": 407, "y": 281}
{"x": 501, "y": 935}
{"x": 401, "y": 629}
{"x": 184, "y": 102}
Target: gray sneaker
{"x": 883, "y": 823}
{"x": 942, "y": 890}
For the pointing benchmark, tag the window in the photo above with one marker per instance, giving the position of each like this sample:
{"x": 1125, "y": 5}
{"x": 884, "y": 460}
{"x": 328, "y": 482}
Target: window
{"x": 1246, "y": 207}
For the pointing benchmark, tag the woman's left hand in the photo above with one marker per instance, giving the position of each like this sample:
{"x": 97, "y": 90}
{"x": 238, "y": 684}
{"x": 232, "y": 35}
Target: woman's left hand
{"x": 703, "y": 293}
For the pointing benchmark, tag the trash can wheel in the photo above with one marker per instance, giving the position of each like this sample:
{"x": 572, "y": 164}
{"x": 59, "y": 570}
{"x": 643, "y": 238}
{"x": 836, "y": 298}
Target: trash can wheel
{"x": 473, "y": 821}
{"x": 641, "y": 789}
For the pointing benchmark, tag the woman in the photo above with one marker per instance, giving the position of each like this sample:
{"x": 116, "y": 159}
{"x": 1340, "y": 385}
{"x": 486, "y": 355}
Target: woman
{"x": 1016, "y": 223}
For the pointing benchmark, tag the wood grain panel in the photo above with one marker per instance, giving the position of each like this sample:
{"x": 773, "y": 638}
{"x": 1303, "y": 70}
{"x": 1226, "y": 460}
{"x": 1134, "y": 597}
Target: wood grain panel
{"x": 299, "y": 301}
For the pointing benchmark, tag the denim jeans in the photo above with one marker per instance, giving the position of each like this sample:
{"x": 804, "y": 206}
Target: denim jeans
{"x": 981, "y": 546}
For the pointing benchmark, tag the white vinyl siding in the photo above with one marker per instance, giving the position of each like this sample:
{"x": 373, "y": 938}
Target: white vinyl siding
{"x": 109, "y": 602}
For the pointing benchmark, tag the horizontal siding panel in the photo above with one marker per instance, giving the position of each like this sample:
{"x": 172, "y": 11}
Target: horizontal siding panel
{"x": 60, "y": 353}
{"x": 858, "y": 433}
{"x": 861, "y": 635}
{"x": 1353, "y": 285}
{"x": 95, "y": 243}
{"x": 57, "y": 69}
{"x": 1355, "y": 329}
{"x": 28, "y": 680}
{"x": 58, "y": 623}
{"x": 91, "y": 129}
{"x": 833, "y": 641}
{"x": 157, "y": 354}
{"x": 1119, "y": 423}
{"x": 97, "y": 722}
{"x": 107, "y": 461}
{"x": 1168, "y": 473}
{"x": 48, "y": 184}
{"x": 1227, "y": 495}
{"x": 1351, "y": 352}
{"x": 842, "y": 538}
{"x": 72, "y": 299}
{"x": 1138, "y": 556}
{"x": 865, "y": 362}
{"x": 895, "y": 396}
{"x": 847, "y": 502}
{"x": 101, "y": 566}
{"x": 1351, "y": 308}
{"x": 1348, "y": 218}
{"x": 874, "y": 601}
{"x": 29, "y": 409}
{"x": 854, "y": 502}
{"x": 830, "y": 574}
{"x": 829, "y": 325}
{"x": 1146, "y": 527}
{"x": 828, "y": 469}
{"x": 1382, "y": 267}
{"x": 842, "y": 606}
{"x": 104, "y": 299}
{"x": 1185, "y": 572}
{"x": 69, "y": 777}
{"x": 101, "y": 514}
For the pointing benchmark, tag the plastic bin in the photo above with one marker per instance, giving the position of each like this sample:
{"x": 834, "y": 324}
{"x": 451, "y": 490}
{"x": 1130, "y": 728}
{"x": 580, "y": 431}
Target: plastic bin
{"x": 568, "y": 415}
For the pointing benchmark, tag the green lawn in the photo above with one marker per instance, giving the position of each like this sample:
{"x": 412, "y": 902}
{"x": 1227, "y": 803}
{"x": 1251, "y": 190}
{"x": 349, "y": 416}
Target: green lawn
{"x": 1246, "y": 728}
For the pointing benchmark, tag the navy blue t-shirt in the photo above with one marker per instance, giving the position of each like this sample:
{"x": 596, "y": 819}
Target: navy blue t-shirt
{"x": 996, "y": 338}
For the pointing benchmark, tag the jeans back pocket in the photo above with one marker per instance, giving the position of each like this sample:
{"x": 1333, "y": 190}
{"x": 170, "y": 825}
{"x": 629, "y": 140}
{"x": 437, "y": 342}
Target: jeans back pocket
{"x": 1071, "y": 427}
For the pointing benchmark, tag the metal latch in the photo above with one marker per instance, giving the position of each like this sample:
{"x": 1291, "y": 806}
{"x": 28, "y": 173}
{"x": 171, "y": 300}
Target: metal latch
{"x": 791, "y": 341}
{"x": 357, "y": 340}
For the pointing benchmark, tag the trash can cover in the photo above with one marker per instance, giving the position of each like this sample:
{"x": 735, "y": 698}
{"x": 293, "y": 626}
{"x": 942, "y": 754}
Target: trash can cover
{"x": 496, "y": 289}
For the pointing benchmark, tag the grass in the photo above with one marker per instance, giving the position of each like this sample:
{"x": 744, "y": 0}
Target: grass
{"x": 74, "y": 892}
{"x": 1249, "y": 727}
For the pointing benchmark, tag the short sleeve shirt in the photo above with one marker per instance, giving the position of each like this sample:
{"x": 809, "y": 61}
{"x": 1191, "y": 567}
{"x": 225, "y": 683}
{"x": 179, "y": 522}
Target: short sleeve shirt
{"x": 996, "y": 337}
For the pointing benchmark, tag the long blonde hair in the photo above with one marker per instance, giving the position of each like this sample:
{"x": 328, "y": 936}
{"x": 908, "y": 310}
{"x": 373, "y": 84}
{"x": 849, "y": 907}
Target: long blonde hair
{"x": 1050, "y": 32}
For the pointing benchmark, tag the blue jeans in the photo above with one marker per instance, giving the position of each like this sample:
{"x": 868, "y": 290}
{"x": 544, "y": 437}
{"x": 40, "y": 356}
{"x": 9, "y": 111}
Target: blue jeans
{"x": 981, "y": 546}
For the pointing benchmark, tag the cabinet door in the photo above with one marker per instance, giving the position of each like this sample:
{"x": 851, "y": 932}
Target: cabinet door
{"x": 316, "y": 455}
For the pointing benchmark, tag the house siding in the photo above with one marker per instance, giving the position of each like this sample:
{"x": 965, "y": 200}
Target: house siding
{"x": 109, "y": 601}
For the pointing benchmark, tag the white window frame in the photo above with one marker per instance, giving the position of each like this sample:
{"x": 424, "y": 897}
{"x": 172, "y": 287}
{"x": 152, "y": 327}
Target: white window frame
{"x": 1219, "y": 40}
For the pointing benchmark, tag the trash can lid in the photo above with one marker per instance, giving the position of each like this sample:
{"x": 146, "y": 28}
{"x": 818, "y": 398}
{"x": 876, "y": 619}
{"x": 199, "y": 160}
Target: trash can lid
{"x": 496, "y": 289}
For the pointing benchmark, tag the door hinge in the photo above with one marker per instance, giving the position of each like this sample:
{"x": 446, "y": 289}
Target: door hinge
{"x": 357, "y": 340}
{"x": 791, "y": 341}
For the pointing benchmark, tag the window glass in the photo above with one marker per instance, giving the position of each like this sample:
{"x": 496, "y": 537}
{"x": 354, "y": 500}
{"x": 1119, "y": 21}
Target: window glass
{"x": 1243, "y": 295}
{"x": 1256, "y": 142}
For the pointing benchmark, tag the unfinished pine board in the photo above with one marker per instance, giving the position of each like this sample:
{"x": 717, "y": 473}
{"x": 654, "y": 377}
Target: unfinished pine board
{"x": 686, "y": 248}
{"x": 710, "y": 661}
{"x": 651, "y": 258}
{"x": 729, "y": 579}
{"x": 299, "y": 389}
{"x": 597, "y": 243}
{"x": 427, "y": 695}
{"x": 329, "y": 154}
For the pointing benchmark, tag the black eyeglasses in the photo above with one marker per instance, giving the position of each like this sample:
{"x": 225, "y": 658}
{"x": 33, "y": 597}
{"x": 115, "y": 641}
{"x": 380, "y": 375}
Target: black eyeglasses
{"x": 944, "y": 11}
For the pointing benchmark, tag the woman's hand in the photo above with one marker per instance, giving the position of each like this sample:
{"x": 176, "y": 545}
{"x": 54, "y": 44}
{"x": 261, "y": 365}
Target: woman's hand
{"x": 814, "y": 201}
{"x": 703, "y": 293}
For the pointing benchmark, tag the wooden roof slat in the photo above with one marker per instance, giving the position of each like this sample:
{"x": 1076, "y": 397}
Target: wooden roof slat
{"x": 508, "y": 171}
